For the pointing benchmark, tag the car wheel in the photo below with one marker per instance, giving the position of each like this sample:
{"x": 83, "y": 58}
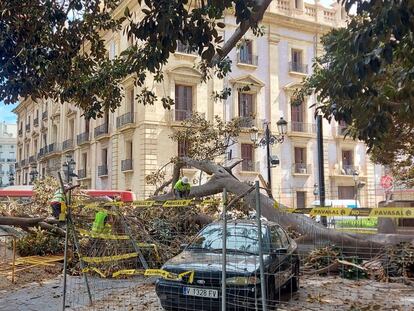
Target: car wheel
{"x": 294, "y": 281}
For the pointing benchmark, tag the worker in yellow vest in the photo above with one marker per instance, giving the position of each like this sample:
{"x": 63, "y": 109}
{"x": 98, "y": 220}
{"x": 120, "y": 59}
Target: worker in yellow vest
{"x": 58, "y": 204}
{"x": 102, "y": 222}
{"x": 182, "y": 188}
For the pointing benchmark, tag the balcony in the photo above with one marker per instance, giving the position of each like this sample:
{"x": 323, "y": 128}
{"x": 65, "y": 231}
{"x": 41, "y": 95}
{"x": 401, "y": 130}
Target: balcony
{"x": 51, "y": 148}
{"x": 101, "y": 130}
{"x": 184, "y": 48}
{"x": 348, "y": 170}
{"x": 27, "y": 127}
{"x": 32, "y": 159}
{"x": 83, "y": 138}
{"x": 302, "y": 127}
{"x": 124, "y": 119}
{"x": 103, "y": 170}
{"x": 44, "y": 115}
{"x": 298, "y": 68}
{"x": 10, "y": 160}
{"x": 341, "y": 130}
{"x": 67, "y": 144}
{"x": 247, "y": 59}
{"x": 301, "y": 169}
{"x": 126, "y": 165}
{"x": 36, "y": 122}
{"x": 42, "y": 152}
{"x": 247, "y": 122}
{"x": 82, "y": 173}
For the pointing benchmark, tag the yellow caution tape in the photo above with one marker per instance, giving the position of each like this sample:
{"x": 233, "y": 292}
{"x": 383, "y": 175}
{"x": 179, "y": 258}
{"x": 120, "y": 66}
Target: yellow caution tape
{"x": 383, "y": 212}
{"x": 108, "y": 258}
{"x": 89, "y": 269}
{"x": 276, "y": 204}
{"x": 169, "y": 275}
{"x": 103, "y": 236}
{"x": 177, "y": 203}
{"x": 392, "y": 212}
{"x": 128, "y": 272}
{"x": 323, "y": 211}
{"x": 143, "y": 203}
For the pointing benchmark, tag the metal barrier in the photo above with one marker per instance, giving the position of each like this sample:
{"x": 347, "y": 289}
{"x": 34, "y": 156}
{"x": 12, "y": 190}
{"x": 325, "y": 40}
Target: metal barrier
{"x": 8, "y": 256}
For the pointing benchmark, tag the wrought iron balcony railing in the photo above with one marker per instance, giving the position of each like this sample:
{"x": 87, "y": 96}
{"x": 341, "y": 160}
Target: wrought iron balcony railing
{"x": 103, "y": 170}
{"x": 124, "y": 119}
{"x": 298, "y": 67}
{"x": 67, "y": 144}
{"x": 249, "y": 59}
{"x": 302, "y": 127}
{"x": 101, "y": 130}
{"x": 126, "y": 165}
{"x": 301, "y": 168}
{"x": 82, "y": 138}
{"x": 81, "y": 173}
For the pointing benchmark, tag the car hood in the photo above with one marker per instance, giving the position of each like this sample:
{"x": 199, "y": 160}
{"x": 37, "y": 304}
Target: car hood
{"x": 206, "y": 261}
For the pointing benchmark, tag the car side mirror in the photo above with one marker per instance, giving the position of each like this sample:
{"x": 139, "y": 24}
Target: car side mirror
{"x": 279, "y": 251}
{"x": 183, "y": 246}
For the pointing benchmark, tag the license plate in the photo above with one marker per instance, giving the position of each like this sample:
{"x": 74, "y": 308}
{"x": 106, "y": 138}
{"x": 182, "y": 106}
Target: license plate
{"x": 200, "y": 292}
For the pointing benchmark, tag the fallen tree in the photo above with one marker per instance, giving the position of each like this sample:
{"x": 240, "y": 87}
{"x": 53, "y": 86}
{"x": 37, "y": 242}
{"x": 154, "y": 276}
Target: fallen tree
{"x": 222, "y": 177}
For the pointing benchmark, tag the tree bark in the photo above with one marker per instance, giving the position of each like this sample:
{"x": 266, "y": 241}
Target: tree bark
{"x": 19, "y": 221}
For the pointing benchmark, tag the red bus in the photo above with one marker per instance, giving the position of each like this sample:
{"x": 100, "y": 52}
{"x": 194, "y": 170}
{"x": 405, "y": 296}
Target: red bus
{"x": 26, "y": 193}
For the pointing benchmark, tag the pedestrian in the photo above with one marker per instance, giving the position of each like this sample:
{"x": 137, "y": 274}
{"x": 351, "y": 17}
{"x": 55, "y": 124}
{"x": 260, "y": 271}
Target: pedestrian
{"x": 182, "y": 188}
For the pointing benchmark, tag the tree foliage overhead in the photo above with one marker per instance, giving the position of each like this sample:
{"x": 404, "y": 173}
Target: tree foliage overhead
{"x": 54, "y": 49}
{"x": 365, "y": 78}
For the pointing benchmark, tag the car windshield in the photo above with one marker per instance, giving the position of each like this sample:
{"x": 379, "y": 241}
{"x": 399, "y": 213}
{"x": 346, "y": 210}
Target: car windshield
{"x": 241, "y": 238}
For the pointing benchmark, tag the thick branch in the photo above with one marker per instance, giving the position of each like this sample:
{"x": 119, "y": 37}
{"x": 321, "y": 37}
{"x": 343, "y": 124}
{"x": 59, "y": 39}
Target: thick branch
{"x": 261, "y": 7}
{"x": 19, "y": 221}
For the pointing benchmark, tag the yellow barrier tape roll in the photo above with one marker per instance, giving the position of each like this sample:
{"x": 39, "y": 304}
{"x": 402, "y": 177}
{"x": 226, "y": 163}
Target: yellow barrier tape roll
{"x": 176, "y": 203}
{"x": 127, "y": 272}
{"x": 86, "y": 270}
{"x": 102, "y": 236}
{"x": 392, "y": 212}
{"x": 323, "y": 211}
{"x": 108, "y": 258}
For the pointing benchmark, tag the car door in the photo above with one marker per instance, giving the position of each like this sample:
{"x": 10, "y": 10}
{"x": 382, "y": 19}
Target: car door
{"x": 281, "y": 265}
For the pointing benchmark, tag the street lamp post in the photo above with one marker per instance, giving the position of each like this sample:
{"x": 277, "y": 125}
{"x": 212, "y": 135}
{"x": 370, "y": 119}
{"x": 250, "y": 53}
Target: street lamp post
{"x": 266, "y": 141}
{"x": 69, "y": 168}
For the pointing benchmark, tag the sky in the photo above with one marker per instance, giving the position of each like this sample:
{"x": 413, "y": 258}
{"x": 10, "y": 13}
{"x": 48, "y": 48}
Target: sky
{"x": 9, "y": 117}
{"x": 5, "y": 113}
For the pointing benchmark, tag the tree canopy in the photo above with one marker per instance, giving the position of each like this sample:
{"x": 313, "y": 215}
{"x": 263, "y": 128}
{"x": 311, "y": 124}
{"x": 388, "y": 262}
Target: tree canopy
{"x": 365, "y": 78}
{"x": 54, "y": 48}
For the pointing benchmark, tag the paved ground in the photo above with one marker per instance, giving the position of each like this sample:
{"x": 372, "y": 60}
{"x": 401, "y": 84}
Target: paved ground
{"x": 316, "y": 293}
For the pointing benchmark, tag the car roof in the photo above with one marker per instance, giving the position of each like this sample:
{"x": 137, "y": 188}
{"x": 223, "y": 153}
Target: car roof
{"x": 244, "y": 221}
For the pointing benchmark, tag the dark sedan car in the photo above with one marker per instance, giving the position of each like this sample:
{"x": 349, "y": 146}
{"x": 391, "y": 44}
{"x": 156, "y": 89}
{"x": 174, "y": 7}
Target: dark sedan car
{"x": 243, "y": 291}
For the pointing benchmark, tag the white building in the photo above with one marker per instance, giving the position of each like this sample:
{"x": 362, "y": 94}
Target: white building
{"x": 8, "y": 134}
